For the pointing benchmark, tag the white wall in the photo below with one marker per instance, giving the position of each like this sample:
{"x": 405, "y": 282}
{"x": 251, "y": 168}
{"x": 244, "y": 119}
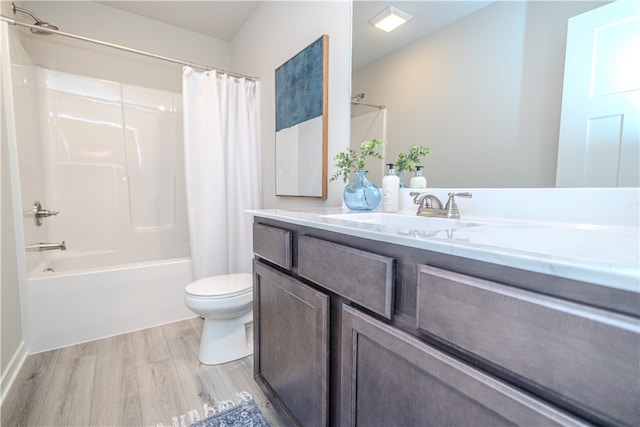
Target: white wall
{"x": 485, "y": 92}
{"x": 12, "y": 348}
{"x": 10, "y": 321}
{"x": 275, "y": 32}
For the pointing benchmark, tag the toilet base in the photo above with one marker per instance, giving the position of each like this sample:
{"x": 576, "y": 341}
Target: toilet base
{"x": 226, "y": 340}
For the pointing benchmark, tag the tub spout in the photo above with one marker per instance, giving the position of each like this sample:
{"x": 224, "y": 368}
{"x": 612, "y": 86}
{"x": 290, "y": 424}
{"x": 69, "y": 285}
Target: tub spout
{"x": 47, "y": 246}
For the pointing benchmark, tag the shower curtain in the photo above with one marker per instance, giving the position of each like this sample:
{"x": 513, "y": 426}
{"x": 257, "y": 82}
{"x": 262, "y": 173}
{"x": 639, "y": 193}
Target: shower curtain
{"x": 222, "y": 168}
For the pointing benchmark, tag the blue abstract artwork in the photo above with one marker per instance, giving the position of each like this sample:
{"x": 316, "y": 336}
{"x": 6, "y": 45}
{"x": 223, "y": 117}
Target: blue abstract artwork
{"x": 299, "y": 87}
{"x": 301, "y": 122}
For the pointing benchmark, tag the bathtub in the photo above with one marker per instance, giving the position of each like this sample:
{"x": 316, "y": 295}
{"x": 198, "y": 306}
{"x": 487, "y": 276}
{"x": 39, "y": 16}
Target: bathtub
{"x": 79, "y": 297}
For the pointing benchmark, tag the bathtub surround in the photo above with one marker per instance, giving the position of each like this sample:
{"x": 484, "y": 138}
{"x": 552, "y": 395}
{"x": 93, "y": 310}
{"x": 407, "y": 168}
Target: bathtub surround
{"x": 111, "y": 163}
{"x": 222, "y": 168}
{"x": 112, "y": 166}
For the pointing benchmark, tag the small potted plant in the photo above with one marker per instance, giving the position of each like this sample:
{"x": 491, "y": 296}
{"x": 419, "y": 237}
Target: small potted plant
{"x": 408, "y": 161}
{"x": 360, "y": 194}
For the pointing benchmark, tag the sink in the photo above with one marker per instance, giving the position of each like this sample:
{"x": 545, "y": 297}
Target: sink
{"x": 401, "y": 221}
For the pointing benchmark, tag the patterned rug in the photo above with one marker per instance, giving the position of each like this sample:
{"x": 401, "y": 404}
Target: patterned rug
{"x": 243, "y": 413}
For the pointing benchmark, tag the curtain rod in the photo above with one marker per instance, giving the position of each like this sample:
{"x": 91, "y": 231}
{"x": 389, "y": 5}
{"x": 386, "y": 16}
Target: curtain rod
{"x": 379, "y": 107}
{"x": 124, "y": 48}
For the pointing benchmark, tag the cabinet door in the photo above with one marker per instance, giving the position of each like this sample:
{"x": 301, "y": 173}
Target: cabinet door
{"x": 291, "y": 345}
{"x": 390, "y": 378}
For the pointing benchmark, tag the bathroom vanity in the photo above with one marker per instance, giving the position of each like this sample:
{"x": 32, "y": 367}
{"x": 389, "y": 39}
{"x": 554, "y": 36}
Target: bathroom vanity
{"x": 397, "y": 320}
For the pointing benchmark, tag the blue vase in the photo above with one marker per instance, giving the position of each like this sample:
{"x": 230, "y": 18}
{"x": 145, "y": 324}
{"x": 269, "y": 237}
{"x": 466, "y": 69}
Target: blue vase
{"x": 399, "y": 174}
{"x": 361, "y": 194}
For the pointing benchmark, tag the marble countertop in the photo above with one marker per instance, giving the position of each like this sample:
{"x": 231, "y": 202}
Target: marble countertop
{"x": 595, "y": 253}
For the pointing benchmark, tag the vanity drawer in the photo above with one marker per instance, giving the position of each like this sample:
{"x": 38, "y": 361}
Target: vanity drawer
{"x": 589, "y": 356}
{"x": 273, "y": 244}
{"x": 362, "y": 277}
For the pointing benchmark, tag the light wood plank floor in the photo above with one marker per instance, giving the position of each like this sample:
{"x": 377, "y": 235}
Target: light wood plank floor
{"x": 141, "y": 378}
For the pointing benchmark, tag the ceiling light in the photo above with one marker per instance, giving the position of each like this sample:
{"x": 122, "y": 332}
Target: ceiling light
{"x": 390, "y": 19}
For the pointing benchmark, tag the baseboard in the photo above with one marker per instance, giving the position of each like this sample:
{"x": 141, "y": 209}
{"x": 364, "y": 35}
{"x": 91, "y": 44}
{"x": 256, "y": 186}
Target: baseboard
{"x": 12, "y": 370}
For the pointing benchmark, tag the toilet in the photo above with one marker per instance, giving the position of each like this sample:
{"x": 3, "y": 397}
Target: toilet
{"x": 225, "y": 303}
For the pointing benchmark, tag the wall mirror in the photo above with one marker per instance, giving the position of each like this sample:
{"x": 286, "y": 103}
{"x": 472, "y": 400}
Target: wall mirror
{"x": 301, "y": 123}
{"x": 482, "y": 85}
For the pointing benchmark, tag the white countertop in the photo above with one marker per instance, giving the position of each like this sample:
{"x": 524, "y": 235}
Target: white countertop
{"x": 601, "y": 254}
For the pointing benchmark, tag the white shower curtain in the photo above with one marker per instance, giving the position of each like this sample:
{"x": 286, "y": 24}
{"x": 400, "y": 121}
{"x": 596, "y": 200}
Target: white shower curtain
{"x": 222, "y": 168}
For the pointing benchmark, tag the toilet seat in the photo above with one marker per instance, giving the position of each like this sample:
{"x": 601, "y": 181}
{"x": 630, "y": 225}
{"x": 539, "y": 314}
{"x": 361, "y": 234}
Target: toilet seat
{"x": 218, "y": 287}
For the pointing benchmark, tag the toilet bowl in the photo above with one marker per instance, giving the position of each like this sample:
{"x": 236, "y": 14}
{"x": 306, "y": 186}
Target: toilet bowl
{"x": 225, "y": 303}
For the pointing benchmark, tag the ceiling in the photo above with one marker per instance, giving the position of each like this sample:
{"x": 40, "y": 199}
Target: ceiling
{"x": 370, "y": 43}
{"x": 223, "y": 19}
{"x": 219, "y": 19}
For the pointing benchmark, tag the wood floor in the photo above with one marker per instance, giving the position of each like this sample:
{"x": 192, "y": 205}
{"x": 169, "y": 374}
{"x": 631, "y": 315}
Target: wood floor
{"x": 143, "y": 378}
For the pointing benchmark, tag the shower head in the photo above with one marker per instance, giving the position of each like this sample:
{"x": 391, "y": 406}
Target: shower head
{"x": 42, "y": 24}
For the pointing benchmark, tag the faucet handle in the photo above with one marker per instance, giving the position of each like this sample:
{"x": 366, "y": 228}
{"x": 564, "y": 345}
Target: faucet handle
{"x": 426, "y": 200}
{"x": 452, "y": 207}
{"x": 466, "y": 195}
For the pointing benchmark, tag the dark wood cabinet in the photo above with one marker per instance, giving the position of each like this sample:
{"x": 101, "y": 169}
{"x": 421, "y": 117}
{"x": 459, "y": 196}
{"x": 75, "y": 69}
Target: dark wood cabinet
{"x": 570, "y": 348}
{"x": 291, "y": 339}
{"x": 356, "y": 332}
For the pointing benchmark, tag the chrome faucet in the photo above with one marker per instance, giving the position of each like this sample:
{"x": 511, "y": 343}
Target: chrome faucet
{"x": 47, "y": 246}
{"x": 430, "y": 205}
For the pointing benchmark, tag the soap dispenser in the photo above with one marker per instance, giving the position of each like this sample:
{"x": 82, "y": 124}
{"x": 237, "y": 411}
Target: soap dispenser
{"x": 418, "y": 181}
{"x": 390, "y": 191}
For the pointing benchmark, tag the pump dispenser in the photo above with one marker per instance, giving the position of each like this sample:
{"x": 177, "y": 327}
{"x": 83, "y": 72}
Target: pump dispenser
{"x": 390, "y": 191}
{"x": 418, "y": 181}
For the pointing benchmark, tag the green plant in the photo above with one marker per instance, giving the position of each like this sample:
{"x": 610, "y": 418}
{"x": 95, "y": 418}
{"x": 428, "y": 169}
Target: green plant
{"x": 349, "y": 161}
{"x": 408, "y": 161}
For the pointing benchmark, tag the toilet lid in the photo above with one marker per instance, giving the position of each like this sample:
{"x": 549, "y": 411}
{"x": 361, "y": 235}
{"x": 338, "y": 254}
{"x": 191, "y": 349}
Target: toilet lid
{"x": 225, "y": 285}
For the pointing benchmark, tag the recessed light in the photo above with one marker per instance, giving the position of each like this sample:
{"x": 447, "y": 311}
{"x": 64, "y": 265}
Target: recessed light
{"x": 390, "y": 19}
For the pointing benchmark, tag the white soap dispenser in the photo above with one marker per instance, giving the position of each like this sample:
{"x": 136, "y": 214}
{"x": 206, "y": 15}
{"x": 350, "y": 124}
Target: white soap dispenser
{"x": 390, "y": 191}
{"x": 418, "y": 181}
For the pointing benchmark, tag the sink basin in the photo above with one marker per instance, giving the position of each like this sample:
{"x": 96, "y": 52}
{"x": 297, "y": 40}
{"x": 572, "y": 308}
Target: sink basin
{"x": 401, "y": 221}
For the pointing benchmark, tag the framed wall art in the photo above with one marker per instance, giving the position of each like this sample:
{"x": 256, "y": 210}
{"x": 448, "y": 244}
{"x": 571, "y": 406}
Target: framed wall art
{"x": 302, "y": 122}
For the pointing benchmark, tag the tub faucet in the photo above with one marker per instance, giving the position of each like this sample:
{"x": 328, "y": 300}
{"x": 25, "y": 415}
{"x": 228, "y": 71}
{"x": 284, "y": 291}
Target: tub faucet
{"x": 47, "y": 246}
{"x": 430, "y": 205}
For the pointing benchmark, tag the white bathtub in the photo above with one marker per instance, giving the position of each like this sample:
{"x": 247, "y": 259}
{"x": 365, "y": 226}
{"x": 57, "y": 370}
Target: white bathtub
{"x": 82, "y": 300}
